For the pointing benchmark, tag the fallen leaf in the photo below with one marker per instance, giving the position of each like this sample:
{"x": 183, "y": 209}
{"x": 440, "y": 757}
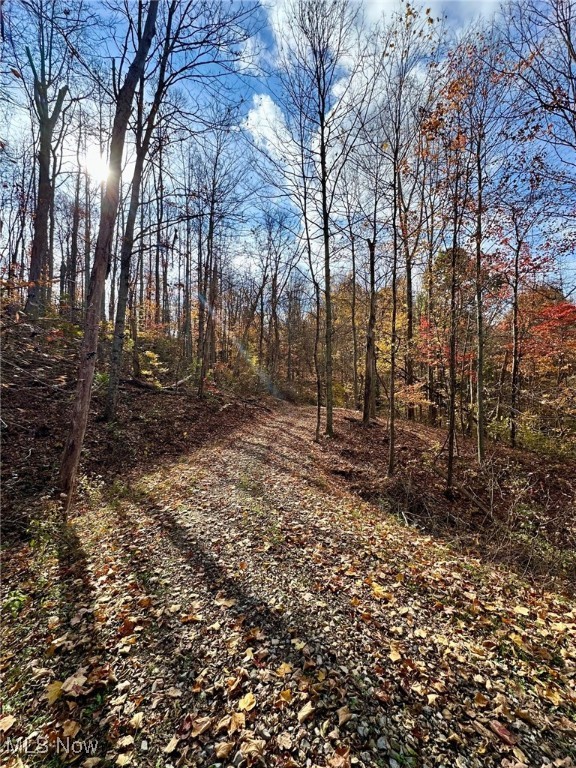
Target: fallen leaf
{"x": 191, "y": 617}
{"x": 136, "y": 720}
{"x": 174, "y": 693}
{"x": 225, "y": 602}
{"x": 521, "y": 610}
{"x": 72, "y": 686}
{"x": 237, "y": 722}
{"x": 247, "y": 702}
{"x": 224, "y": 748}
{"x": 200, "y": 725}
{"x": 253, "y": 748}
{"x": 53, "y": 691}
{"x": 125, "y": 741}
{"x": 123, "y": 759}
{"x": 503, "y": 733}
{"x": 306, "y": 712}
{"x": 480, "y": 700}
{"x": 394, "y": 654}
{"x": 344, "y": 715}
{"x": 284, "y": 740}
{"x": 127, "y": 627}
{"x": 171, "y": 746}
{"x": 552, "y": 695}
{"x": 70, "y": 728}
{"x": 340, "y": 758}
{"x": 7, "y": 722}
{"x": 283, "y": 670}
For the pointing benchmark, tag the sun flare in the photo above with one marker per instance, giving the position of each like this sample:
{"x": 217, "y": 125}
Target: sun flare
{"x": 96, "y": 164}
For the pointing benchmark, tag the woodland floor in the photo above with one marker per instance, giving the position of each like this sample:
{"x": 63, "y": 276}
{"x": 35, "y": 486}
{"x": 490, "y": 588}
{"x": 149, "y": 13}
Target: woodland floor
{"x": 232, "y": 593}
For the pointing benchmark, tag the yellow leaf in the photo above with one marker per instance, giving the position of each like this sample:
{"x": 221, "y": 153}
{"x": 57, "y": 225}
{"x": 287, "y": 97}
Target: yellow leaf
{"x": 286, "y": 695}
{"x": 171, "y": 746}
{"x": 284, "y": 740}
{"x": 125, "y": 741}
{"x": 7, "y": 722}
{"x": 191, "y": 617}
{"x": 253, "y": 748}
{"x": 54, "y": 691}
{"x": 70, "y": 728}
{"x": 553, "y": 695}
{"x": 136, "y": 720}
{"x": 247, "y": 702}
{"x": 237, "y": 722}
{"x": 123, "y": 759}
{"x": 225, "y": 602}
{"x": 521, "y": 610}
{"x": 224, "y": 748}
{"x": 379, "y": 592}
{"x": 480, "y": 700}
{"x": 200, "y": 725}
{"x": 394, "y": 654}
{"x": 306, "y": 712}
{"x": 283, "y": 670}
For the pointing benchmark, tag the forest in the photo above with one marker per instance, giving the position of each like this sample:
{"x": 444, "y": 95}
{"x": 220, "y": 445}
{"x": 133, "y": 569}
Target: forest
{"x": 288, "y": 383}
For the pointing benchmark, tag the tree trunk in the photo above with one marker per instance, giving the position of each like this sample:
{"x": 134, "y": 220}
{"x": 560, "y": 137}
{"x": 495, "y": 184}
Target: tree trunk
{"x": 354, "y": 329}
{"x": 40, "y": 247}
{"x": 369, "y": 377}
{"x": 327, "y": 276}
{"x": 480, "y": 427}
{"x": 515, "y": 392}
{"x": 79, "y": 420}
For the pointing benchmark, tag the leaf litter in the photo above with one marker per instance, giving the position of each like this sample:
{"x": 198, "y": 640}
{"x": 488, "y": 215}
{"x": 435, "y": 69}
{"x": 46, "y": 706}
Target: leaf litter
{"x": 240, "y": 606}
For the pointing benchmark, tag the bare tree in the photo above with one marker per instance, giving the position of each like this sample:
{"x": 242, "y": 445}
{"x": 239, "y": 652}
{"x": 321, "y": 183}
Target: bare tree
{"x": 108, "y": 213}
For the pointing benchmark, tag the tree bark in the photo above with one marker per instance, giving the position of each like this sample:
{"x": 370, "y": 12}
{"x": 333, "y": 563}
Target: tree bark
{"x": 79, "y": 420}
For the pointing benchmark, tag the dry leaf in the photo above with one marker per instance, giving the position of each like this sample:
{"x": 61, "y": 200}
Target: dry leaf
{"x": 53, "y": 691}
{"x": 306, "y": 712}
{"x": 247, "y": 702}
{"x": 340, "y": 758}
{"x": 394, "y": 654}
{"x": 224, "y": 748}
{"x": 171, "y": 746}
{"x": 344, "y": 715}
{"x": 125, "y": 741}
{"x": 136, "y": 720}
{"x": 253, "y": 748}
{"x": 284, "y": 740}
{"x": 225, "y": 602}
{"x": 480, "y": 700}
{"x": 73, "y": 684}
{"x": 123, "y": 759}
{"x": 70, "y": 728}
{"x": 237, "y": 722}
{"x": 502, "y": 732}
{"x": 191, "y": 617}
{"x": 200, "y": 725}
{"x": 283, "y": 670}
{"x": 7, "y": 722}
